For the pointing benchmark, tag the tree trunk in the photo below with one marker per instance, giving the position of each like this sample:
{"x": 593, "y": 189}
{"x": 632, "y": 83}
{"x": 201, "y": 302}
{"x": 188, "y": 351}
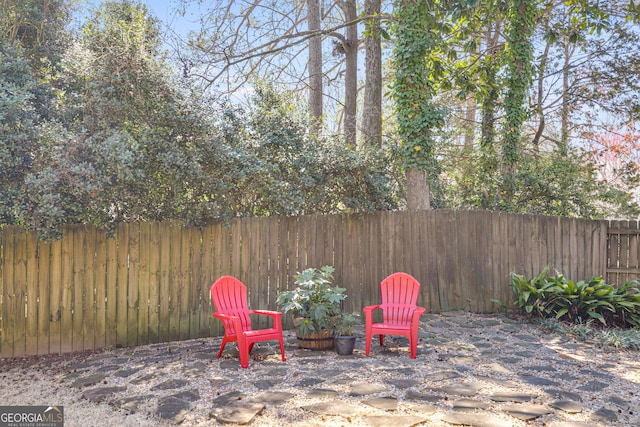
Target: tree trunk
{"x": 469, "y": 125}
{"x": 372, "y": 110}
{"x": 315, "y": 66}
{"x": 351, "y": 74}
{"x": 418, "y": 194}
{"x": 564, "y": 132}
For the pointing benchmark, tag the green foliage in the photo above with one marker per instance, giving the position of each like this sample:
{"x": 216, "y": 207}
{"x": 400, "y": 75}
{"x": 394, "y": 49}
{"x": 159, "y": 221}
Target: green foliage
{"x": 578, "y": 302}
{"x": 417, "y": 113}
{"x": 618, "y": 339}
{"x": 519, "y": 55}
{"x": 314, "y": 303}
{"x": 531, "y": 294}
{"x": 547, "y": 183}
{"x": 345, "y": 323}
{"x": 278, "y": 168}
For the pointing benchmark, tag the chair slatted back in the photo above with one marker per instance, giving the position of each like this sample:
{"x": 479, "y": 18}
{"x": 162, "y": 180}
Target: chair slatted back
{"x": 399, "y": 298}
{"x": 229, "y": 296}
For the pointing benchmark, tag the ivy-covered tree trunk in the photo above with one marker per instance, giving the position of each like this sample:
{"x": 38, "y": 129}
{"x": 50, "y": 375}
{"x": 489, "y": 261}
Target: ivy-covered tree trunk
{"x": 519, "y": 55}
{"x": 417, "y": 114}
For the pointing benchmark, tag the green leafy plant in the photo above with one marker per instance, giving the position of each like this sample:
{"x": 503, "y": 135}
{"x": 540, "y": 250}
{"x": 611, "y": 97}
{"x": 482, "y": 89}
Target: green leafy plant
{"x": 314, "y": 303}
{"x": 578, "y": 302}
{"x": 345, "y": 323}
{"x": 531, "y": 294}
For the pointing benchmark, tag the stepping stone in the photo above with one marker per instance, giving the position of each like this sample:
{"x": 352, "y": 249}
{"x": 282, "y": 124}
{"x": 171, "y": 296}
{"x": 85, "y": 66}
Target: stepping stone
{"x": 469, "y": 404}
{"x": 108, "y": 368}
{"x": 170, "y": 384}
{"x": 541, "y": 368}
{"x": 604, "y": 415}
{"x": 384, "y": 403}
{"x": 321, "y": 393}
{"x": 511, "y": 397}
{"x": 266, "y": 384}
{"x": 462, "y": 389}
{"x": 189, "y": 395}
{"x": 144, "y": 379}
{"x": 564, "y": 395}
{"x": 407, "y": 372}
{"x": 123, "y": 373}
{"x": 526, "y": 338}
{"x": 423, "y": 408}
{"x": 276, "y": 372}
{"x": 229, "y": 398}
{"x": 130, "y": 404}
{"x": 496, "y": 381}
{"x": 364, "y": 389}
{"x": 271, "y": 397}
{"x": 238, "y": 413}
{"x": 594, "y": 386}
{"x": 403, "y": 384}
{"x": 509, "y": 360}
{"x": 444, "y": 375}
{"x": 173, "y": 409}
{"x": 308, "y": 382}
{"x": 567, "y": 406}
{"x": 101, "y": 393}
{"x": 620, "y": 402}
{"x": 488, "y": 323}
{"x": 393, "y": 420}
{"x": 597, "y": 374}
{"x": 416, "y": 395}
{"x": 476, "y": 420}
{"x": 533, "y": 380}
{"x": 525, "y": 412}
{"x": 88, "y": 380}
{"x": 333, "y": 407}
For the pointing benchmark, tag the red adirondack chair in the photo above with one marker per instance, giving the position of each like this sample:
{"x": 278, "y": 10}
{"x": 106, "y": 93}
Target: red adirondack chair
{"x": 229, "y": 295}
{"x": 400, "y": 314}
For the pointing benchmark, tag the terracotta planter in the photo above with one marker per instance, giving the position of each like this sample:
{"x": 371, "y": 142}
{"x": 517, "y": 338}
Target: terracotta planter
{"x": 321, "y": 340}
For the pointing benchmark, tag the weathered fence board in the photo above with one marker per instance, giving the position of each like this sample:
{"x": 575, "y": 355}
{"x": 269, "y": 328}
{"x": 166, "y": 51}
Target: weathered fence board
{"x": 150, "y": 282}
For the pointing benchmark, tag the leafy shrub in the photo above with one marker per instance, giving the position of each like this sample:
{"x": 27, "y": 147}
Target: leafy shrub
{"x": 578, "y": 302}
{"x": 314, "y": 303}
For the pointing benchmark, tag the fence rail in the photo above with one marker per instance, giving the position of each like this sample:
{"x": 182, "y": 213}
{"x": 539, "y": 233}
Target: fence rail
{"x": 150, "y": 282}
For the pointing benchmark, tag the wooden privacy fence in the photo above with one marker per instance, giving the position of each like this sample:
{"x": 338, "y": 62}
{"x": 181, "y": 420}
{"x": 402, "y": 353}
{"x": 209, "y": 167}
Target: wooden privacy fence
{"x": 150, "y": 282}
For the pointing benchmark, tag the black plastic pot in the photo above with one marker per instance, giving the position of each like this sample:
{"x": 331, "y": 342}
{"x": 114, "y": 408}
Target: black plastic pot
{"x": 344, "y": 344}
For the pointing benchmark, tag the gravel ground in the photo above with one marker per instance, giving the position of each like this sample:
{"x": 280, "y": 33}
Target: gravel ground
{"x": 452, "y": 342}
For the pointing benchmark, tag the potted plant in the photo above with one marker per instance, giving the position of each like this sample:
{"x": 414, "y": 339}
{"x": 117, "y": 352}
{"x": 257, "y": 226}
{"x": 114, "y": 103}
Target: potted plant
{"x": 314, "y": 304}
{"x": 344, "y": 339}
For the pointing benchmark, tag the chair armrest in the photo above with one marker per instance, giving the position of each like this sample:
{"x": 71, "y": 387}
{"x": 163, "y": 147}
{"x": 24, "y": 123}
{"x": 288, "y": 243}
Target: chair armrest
{"x": 235, "y": 320}
{"x": 266, "y": 313}
{"x": 275, "y": 315}
{"x": 222, "y": 316}
{"x": 368, "y": 313}
{"x": 371, "y": 308}
{"x": 419, "y": 311}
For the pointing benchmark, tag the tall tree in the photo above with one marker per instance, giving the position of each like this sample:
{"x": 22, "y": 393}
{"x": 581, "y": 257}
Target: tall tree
{"x": 372, "y": 108}
{"x": 316, "y": 93}
{"x": 418, "y": 115}
{"x": 351, "y": 72}
{"x": 519, "y": 54}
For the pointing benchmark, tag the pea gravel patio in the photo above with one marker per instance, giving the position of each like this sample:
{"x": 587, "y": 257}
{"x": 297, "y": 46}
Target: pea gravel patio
{"x": 481, "y": 370}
